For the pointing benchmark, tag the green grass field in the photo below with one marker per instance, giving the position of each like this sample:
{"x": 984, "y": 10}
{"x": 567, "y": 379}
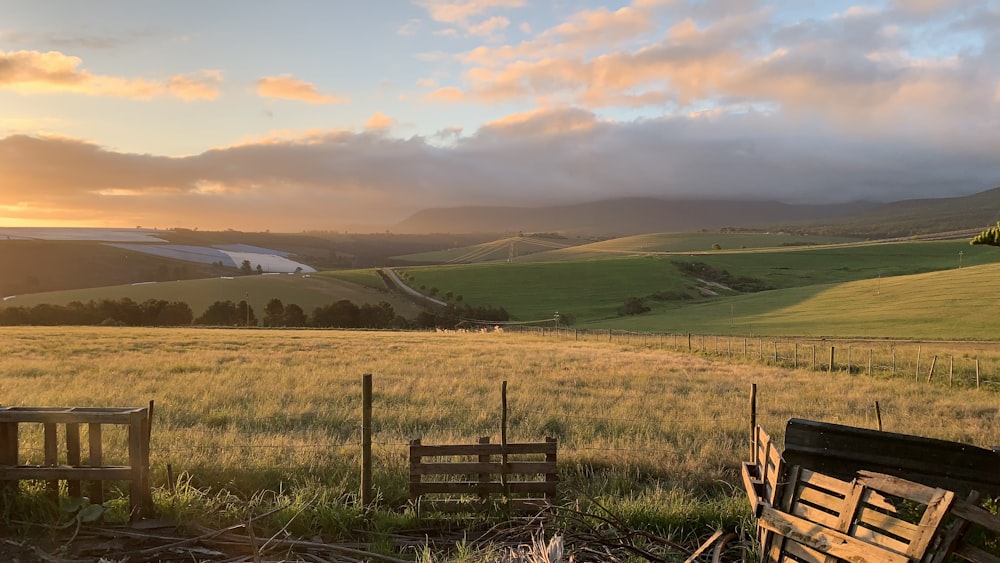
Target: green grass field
{"x": 257, "y": 419}
{"x": 592, "y": 290}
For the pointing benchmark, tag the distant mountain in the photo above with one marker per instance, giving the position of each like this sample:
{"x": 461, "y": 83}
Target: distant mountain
{"x": 913, "y": 217}
{"x": 619, "y": 217}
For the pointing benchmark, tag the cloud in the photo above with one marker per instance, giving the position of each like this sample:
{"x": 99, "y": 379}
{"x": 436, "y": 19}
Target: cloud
{"x": 379, "y": 121}
{"x": 287, "y": 87}
{"x": 448, "y": 94}
{"x": 326, "y": 179}
{"x": 465, "y": 15}
{"x": 34, "y": 72}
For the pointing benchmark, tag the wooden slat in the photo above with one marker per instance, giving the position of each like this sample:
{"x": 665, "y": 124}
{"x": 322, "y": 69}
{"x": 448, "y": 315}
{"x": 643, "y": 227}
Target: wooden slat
{"x": 826, "y": 540}
{"x": 819, "y": 480}
{"x": 804, "y": 553}
{"x": 814, "y": 515}
{"x": 65, "y": 416}
{"x": 930, "y": 524}
{"x": 473, "y": 487}
{"x": 879, "y": 521}
{"x": 65, "y": 472}
{"x": 976, "y": 555}
{"x": 541, "y": 448}
{"x": 473, "y": 467}
{"x": 817, "y": 497}
{"x": 454, "y": 506}
{"x": 51, "y": 448}
{"x": 750, "y": 485}
{"x": 73, "y": 456}
{"x": 976, "y": 515}
{"x": 95, "y": 455}
{"x": 878, "y": 538}
{"x": 899, "y": 487}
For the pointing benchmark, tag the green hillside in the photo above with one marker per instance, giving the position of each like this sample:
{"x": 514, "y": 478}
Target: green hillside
{"x": 306, "y": 291}
{"x": 949, "y": 304}
{"x": 591, "y": 291}
{"x": 510, "y": 248}
{"x": 683, "y": 242}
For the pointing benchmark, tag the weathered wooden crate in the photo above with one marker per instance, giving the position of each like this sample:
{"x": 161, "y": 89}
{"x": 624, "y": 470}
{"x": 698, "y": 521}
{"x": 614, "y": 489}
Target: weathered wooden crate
{"x": 73, "y": 469}
{"x": 463, "y": 478}
{"x": 874, "y": 518}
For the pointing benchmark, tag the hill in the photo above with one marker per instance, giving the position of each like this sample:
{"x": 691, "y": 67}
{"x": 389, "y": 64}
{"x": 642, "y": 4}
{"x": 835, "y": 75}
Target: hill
{"x": 592, "y": 291}
{"x": 619, "y": 217}
{"x": 912, "y": 217}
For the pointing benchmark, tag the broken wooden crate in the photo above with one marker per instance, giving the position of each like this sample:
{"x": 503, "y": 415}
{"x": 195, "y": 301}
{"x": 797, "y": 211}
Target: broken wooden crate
{"x": 807, "y": 516}
{"x": 474, "y": 477}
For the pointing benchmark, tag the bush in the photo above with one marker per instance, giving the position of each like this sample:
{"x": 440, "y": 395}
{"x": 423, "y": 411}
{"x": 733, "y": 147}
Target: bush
{"x": 633, "y": 306}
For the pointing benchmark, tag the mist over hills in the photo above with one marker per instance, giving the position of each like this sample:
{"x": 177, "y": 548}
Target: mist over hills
{"x": 630, "y": 216}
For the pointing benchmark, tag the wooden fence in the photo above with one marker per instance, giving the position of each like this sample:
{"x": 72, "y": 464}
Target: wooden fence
{"x": 966, "y": 364}
{"x": 471, "y": 475}
{"x": 73, "y": 470}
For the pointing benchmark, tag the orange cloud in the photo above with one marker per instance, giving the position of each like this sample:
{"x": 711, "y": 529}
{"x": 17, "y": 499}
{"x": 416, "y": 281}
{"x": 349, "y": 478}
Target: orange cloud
{"x": 34, "y": 72}
{"x": 460, "y": 11}
{"x": 286, "y": 87}
{"x": 379, "y": 121}
{"x": 449, "y": 94}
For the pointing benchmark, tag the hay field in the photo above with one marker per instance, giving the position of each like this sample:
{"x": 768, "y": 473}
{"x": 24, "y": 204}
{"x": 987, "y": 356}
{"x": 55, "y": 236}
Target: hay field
{"x": 256, "y": 416}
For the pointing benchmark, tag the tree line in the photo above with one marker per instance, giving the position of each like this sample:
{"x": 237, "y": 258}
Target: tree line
{"x": 158, "y": 312}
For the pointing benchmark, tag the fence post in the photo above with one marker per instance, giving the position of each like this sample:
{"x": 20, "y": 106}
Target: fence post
{"x": 814, "y": 358}
{"x": 878, "y": 416}
{"x": 916, "y": 369}
{"x": 832, "y": 350}
{"x": 849, "y": 350}
{"x": 366, "y": 440}
{"x": 775, "y": 344}
{"x": 753, "y": 421}
{"x": 930, "y": 373}
{"x": 795, "y": 355}
{"x": 951, "y": 370}
{"x": 893, "y": 372}
{"x": 689, "y": 342}
{"x": 870, "y": 352}
{"x": 744, "y": 347}
{"x": 977, "y": 373}
{"x": 760, "y": 350}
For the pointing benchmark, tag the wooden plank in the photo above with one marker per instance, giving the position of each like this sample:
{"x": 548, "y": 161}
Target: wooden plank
{"x": 552, "y": 477}
{"x": 474, "y": 487}
{"x": 976, "y": 515}
{"x": 826, "y": 540}
{"x": 803, "y": 553}
{"x": 474, "y": 467}
{"x": 65, "y": 472}
{"x": 819, "y": 480}
{"x": 51, "y": 448}
{"x": 930, "y": 524}
{"x": 96, "y": 458}
{"x": 73, "y": 456}
{"x": 880, "y": 521}
{"x": 843, "y": 450}
{"x": 540, "y": 448}
{"x": 876, "y": 537}
{"x": 64, "y": 416}
{"x": 135, "y": 437}
{"x": 813, "y": 515}
{"x": 750, "y": 485}
{"x": 897, "y": 487}
{"x": 976, "y": 555}
{"x": 818, "y": 497}
{"x": 8, "y": 450}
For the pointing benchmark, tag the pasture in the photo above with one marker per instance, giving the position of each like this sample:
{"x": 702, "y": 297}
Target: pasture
{"x": 258, "y": 419}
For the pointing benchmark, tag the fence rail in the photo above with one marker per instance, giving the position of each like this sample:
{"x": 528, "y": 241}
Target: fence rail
{"x": 927, "y": 361}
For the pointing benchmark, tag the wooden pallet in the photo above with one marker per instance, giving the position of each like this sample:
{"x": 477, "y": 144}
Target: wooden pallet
{"x": 472, "y": 477}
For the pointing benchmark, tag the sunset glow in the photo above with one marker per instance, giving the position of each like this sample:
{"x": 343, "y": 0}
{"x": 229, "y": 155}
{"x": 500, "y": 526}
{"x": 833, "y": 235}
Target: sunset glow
{"x": 319, "y": 115}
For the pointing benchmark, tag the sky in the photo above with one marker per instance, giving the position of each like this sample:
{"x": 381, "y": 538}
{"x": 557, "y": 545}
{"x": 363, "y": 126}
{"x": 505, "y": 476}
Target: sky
{"x": 341, "y": 115}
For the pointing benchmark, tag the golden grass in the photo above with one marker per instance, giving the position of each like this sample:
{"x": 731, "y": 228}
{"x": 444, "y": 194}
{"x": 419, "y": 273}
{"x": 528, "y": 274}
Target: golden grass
{"x": 251, "y": 410}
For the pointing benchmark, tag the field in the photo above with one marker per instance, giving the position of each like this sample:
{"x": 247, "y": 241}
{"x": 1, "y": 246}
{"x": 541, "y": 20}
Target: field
{"x": 256, "y": 419}
{"x": 305, "y": 290}
{"x": 591, "y": 291}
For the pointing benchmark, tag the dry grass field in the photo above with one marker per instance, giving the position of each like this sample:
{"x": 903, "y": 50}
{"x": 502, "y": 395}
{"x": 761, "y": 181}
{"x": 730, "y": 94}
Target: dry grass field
{"x": 251, "y": 419}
